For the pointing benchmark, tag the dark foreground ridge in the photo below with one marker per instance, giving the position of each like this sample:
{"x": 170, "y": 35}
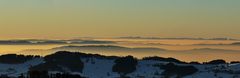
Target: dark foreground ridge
{"x": 64, "y": 64}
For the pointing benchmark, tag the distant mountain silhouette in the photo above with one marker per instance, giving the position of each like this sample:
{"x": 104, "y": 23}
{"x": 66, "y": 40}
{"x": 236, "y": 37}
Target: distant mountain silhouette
{"x": 108, "y": 48}
{"x": 9, "y": 42}
{"x": 112, "y": 48}
{"x": 235, "y": 43}
{"x": 45, "y": 42}
{"x": 178, "y": 38}
{"x": 92, "y": 42}
{"x": 210, "y": 50}
{"x": 52, "y": 42}
{"x": 210, "y": 44}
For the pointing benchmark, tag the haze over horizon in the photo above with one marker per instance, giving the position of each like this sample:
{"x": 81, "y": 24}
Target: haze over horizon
{"x": 64, "y": 19}
{"x": 119, "y": 38}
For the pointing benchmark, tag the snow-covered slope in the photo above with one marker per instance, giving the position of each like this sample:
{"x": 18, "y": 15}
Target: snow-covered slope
{"x": 102, "y": 68}
{"x": 17, "y": 69}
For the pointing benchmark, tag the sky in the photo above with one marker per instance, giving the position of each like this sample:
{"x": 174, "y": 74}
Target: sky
{"x": 61, "y": 19}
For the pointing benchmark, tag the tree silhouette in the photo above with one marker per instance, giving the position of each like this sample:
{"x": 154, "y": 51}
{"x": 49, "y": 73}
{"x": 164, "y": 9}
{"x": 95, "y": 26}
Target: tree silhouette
{"x": 171, "y": 69}
{"x": 125, "y": 65}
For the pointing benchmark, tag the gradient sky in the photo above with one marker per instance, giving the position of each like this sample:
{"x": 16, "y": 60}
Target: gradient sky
{"x": 111, "y": 18}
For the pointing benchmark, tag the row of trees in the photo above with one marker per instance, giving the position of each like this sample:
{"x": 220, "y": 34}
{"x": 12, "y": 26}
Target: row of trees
{"x": 15, "y": 59}
{"x": 218, "y": 61}
{"x": 72, "y": 61}
{"x": 45, "y": 74}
